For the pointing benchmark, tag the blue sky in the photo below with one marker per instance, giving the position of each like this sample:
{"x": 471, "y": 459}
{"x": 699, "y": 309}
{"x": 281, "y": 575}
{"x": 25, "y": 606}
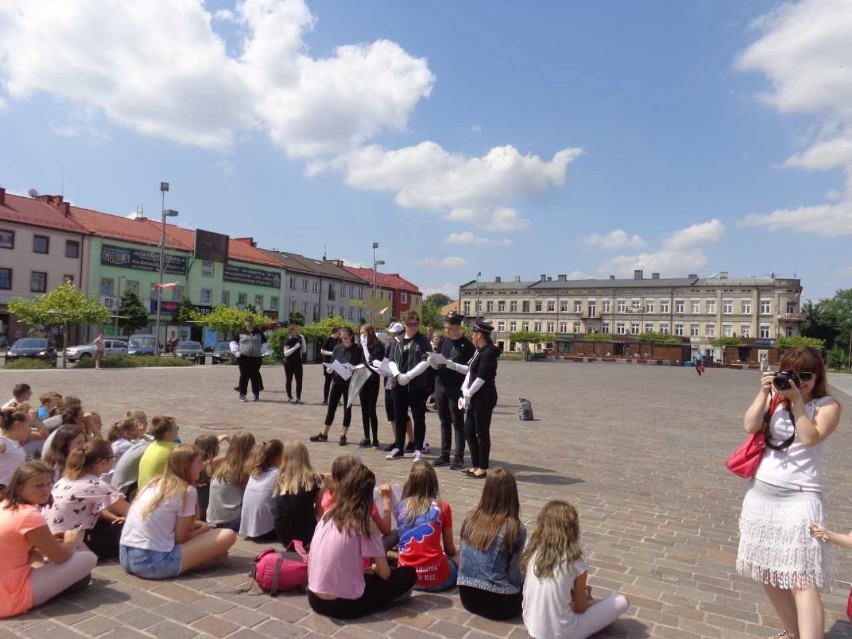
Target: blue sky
{"x": 585, "y": 138}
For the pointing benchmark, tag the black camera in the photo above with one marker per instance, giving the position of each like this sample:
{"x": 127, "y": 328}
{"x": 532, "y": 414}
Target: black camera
{"x": 783, "y": 379}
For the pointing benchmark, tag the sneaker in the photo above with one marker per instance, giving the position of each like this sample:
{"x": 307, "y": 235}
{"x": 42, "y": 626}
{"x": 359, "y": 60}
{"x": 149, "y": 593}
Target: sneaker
{"x": 257, "y": 397}
{"x": 299, "y": 401}
{"x": 377, "y": 445}
{"x": 396, "y": 453}
{"x": 457, "y": 464}
{"x": 418, "y": 455}
{"x": 319, "y": 438}
{"x": 364, "y": 443}
{"x": 783, "y": 635}
{"x": 409, "y": 448}
{"x": 290, "y": 400}
{"x": 343, "y": 441}
{"x": 441, "y": 461}
{"x": 243, "y": 398}
{"x": 325, "y": 402}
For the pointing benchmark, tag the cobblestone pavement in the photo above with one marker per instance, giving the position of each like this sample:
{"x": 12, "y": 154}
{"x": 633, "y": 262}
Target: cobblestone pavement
{"x": 640, "y": 450}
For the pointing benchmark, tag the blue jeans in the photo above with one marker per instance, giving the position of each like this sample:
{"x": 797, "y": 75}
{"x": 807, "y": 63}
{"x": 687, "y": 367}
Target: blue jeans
{"x": 448, "y": 583}
{"x": 150, "y": 564}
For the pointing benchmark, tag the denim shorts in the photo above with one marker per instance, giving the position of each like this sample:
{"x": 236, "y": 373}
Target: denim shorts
{"x": 449, "y": 582}
{"x": 150, "y": 564}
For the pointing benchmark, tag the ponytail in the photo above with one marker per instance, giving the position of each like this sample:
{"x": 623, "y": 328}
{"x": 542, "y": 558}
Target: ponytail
{"x": 10, "y": 416}
{"x": 266, "y": 455}
{"x": 121, "y": 428}
{"x": 83, "y": 459}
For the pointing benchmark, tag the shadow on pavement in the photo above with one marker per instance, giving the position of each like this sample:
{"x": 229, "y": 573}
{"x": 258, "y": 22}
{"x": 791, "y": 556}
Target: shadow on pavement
{"x": 627, "y": 628}
{"x": 839, "y": 630}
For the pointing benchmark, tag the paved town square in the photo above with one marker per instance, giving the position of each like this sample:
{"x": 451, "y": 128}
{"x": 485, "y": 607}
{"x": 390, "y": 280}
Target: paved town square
{"x": 640, "y": 451}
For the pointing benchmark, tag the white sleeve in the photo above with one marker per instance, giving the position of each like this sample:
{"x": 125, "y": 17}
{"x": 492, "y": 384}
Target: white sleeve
{"x": 459, "y": 368}
{"x": 466, "y": 383}
{"x": 477, "y": 384}
{"x": 291, "y": 350}
{"x": 394, "y": 369}
{"x": 419, "y": 369}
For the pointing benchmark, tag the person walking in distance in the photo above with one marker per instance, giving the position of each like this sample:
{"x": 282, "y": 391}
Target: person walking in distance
{"x": 327, "y": 351}
{"x": 479, "y": 397}
{"x": 100, "y": 349}
{"x": 250, "y": 358}
{"x": 457, "y": 350}
{"x": 408, "y": 367}
{"x": 294, "y": 348}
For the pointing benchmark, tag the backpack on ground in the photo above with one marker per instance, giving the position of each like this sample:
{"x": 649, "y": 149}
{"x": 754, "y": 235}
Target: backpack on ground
{"x": 284, "y": 571}
{"x": 525, "y": 410}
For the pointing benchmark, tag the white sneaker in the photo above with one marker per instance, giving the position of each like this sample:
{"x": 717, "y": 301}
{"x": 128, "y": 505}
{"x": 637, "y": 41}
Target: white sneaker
{"x": 396, "y": 453}
{"x": 418, "y": 455}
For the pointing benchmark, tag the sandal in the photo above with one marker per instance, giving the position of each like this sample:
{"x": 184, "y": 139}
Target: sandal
{"x": 319, "y": 438}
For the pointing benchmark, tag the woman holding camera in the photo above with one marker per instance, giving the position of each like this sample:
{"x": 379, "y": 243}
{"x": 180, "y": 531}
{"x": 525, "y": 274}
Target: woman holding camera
{"x": 776, "y": 546}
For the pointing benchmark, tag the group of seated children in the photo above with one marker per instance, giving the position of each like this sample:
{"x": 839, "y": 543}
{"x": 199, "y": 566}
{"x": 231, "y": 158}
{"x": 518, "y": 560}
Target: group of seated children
{"x": 163, "y": 508}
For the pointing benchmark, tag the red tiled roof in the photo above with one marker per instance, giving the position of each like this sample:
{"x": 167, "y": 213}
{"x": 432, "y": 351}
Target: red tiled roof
{"x": 384, "y": 280}
{"x": 24, "y": 210}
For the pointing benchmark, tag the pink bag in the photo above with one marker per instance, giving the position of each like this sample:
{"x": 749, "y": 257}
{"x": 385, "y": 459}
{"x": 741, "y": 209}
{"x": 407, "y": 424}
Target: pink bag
{"x": 849, "y": 607}
{"x": 745, "y": 460}
{"x": 284, "y": 571}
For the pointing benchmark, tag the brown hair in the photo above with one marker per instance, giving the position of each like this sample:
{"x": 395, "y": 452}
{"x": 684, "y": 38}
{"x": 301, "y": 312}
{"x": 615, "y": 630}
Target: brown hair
{"x": 10, "y": 416}
{"x": 234, "y": 469}
{"x": 555, "y": 541}
{"x": 44, "y": 398}
{"x": 340, "y": 469}
{"x": 354, "y": 502}
{"x": 20, "y": 389}
{"x": 371, "y": 333}
{"x": 208, "y": 445}
{"x": 22, "y": 474}
{"x": 161, "y": 426}
{"x": 72, "y": 414}
{"x": 121, "y": 428}
{"x": 266, "y": 455}
{"x": 58, "y": 453}
{"x": 82, "y": 460}
{"x": 806, "y": 360}
{"x": 498, "y": 509}
{"x": 420, "y": 490}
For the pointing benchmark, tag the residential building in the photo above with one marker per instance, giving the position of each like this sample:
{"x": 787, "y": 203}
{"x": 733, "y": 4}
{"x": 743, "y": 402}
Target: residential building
{"x": 394, "y": 295}
{"x": 757, "y": 310}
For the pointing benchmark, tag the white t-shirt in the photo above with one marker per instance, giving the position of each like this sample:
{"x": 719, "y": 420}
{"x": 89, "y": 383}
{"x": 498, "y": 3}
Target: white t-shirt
{"x": 257, "y": 517}
{"x": 10, "y": 459}
{"x": 156, "y": 531}
{"x": 798, "y": 466}
{"x": 547, "y": 602}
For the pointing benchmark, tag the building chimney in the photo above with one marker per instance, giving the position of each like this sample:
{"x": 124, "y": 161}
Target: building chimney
{"x": 517, "y": 278}
{"x": 692, "y": 276}
{"x": 612, "y": 277}
{"x": 498, "y": 279}
{"x": 543, "y": 277}
{"x": 723, "y": 275}
{"x": 637, "y": 274}
{"x": 655, "y": 276}
{"x": 246, "y": 240}
{"x": 2, "y": 196}
{"x": 549, "y": 279}
{"x": 562, "y": 278}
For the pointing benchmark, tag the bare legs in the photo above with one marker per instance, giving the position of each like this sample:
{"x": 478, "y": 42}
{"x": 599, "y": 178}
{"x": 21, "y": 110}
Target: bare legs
{"x": 801, "y": 611}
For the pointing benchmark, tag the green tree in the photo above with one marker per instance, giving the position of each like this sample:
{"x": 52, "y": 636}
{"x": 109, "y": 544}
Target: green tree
{"x": 296, "y": 318}
{"x": 438, "y": 300}
{"x": 726, "y": 341}
{"x": 527, "y": 337}
{"x": 64, "y": 306}
{"x": 431, "y": 314}
{"x": 185, "y": 312}
{"x": 229, "y": 319}
{"x": 654, "y": 337}
{"x": 786, "y": 343}
{"x": 837, "y": 313}
{"x": 132, "y": 312}
{"x": 820, "y": 322}
{"x": 318, "y": 331}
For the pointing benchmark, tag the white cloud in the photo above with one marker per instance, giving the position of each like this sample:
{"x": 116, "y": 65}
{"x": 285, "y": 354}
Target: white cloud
{"x": 466, "y": 237}
{"x": 450, "y": 289}
{"x": 476, "y": 128}
{"x": 355, "y": 264}
{"x": 695, "y": 235}
{"x": 826, "y": 219}
{"x": 447, "y": 262}
{"x": 666, "y": 262}
{"x": 615, "y": 241}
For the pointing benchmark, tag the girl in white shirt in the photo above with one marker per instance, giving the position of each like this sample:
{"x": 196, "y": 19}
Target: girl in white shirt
{"x": 557, "y": 602}
{"x": 161, "y": 538}
{"x": 14, "y": 428}
{"x": 257, "y": 519}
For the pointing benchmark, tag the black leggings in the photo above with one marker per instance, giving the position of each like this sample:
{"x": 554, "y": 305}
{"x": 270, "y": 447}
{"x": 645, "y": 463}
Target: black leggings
{"x": 477, "y": 430}
{"x": 491, "y": 605}
{"x": 338, "y": 392}
{"x": 291, "y": 370}
{"x": 326, "y": 385}
{"x": 250, "y": 371}
{"x": 452, "y": 420}
{"x": 378, "y": 593}
{"x": 404, "y": 398}
{"x": 369, "y": 395}
{"x": 103, "y": 539}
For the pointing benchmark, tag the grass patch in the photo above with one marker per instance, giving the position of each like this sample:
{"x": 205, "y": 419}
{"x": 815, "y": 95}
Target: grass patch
{"x": 27, "y": 364}
{"x": 136, "y": 361}
{"x": 512, "y": 357}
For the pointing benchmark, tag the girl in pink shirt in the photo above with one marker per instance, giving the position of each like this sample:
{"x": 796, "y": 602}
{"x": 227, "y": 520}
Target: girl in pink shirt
{"x": 338, "y": 584}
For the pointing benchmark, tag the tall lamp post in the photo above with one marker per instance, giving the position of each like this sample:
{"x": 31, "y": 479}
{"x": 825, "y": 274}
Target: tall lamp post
{"x": 166, "y": 213}
{"x": 478, "y": 291}
{"x": 376, "y": 265}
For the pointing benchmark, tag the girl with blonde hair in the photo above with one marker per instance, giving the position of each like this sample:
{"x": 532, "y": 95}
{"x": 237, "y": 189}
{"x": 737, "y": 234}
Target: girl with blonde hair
{"x": 161, "y": 537}
{"x": 557, "y": 602}
{"x": 297, "y": 495}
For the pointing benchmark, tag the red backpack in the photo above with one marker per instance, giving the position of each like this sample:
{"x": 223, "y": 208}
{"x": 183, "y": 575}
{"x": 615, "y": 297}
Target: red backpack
{"x": 284, "y": 571}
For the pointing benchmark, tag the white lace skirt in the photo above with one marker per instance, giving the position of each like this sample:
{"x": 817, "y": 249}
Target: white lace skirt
{"x": 776, "y": 545}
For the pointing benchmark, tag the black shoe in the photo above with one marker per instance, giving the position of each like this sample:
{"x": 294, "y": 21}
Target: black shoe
{"x": 290, "y": 400}
{"x": 299, "y": 401}
{"x": 236, "y": 388}
{"x": 377, "y": 445}
{"x": 364, "y": 443}
{"x": 325, "y": 402}
{"x": 409, "y": 447}
{"x": 457, "y": 464}
{"x": 441, "y": 461}
{"x": 319, "y": 438}
{"x": 388, "y": 448}
{"x": 343, "y": 441}
{"x": 257, "y": 398}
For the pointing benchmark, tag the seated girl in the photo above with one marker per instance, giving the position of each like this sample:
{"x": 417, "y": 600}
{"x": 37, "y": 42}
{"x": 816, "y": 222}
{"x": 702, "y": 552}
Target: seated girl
{"x": 426, "y": 530}
{"x": 66, "y": 439}
{"x": 26, "y": 542}
{"x": 122, "y": 435}
{"x": 257, "y": 519}
{"x": 297, "y": 496}
{"x": 492, "y": 540}
{"x": 557, "y": 602}
{"x": 92, "y": 425}
{"x": 229, "y": 483}
{"x": 161, "y": 538}
{"x": 209, "y": 446}
{"x": 14, "y": 428}
{"x": 338, "y": 584}
{"x": 82, "y": 500}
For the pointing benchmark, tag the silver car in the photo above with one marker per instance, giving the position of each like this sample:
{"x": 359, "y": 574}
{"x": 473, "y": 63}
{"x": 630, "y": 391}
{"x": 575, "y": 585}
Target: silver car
{"x": 83, "y": 351}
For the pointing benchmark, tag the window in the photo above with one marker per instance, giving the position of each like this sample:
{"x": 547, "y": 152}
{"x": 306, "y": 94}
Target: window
{"x": 501, "y": 326}
{"x": 563, "y": 306}
{"x": 467, "y": 308}
{"x": 649, "y": 327}
{"x": 7, "y": 239}
{"x": 305, "y": 284}
{"x": 664, "y": 306}
{"x": 513, "y": 306}
{"x": 304, "y": 308}
{"x": 72, "y": 249}
{"x": 292, "y": 283}
{"x": 727, "y": 307}
{"x": 664, "y": 328}
{"x": 537, "y": 326}
{"x": 679, "y": 329}
{"x": 258, "y": 302}
{"x": 634, "y": 304}
{"x": 745, "y": 330}
{"x": 5, "y": 279}
{"x": 390, "y": 296}
{"x": 694, "y": 306}
{"x": 791, "y": 307}
{"x": 206, "y": 268}
{"x": 693, "y": 330}
{"x": 620, "y": 329}
{"x": 727, "y": 330}
{"x": 360, "y": 292}
{"x": 622, "y": 306}
{"x": 331, "y": 294}
{"x": 489, "y": 306}
{"x": 538, "y": 307}
{"x": 38, "y": 282}
{"x": 513, "y": 326}
{"x": 177, "y": 294}
{"x": 578, "y": 306}
{"x": 551, "y": 327}
{"x": 710, "y": 306}
{"x": 351, "y": 313}
{"x": 746, "y": 306}
{"x": 649, "y": 306}
{"x": 67, "y": 279}
{"x": 606, "y": 306}
{"x": 551, "y": 306}
{"x": 242, "y": 299}
{"x": 403, "y": 298}
{"x": 711, "y": 330}
{"x": 576, "y": 327}
{"x": 764, "y": 307}
{"x": 634, "y": 328}
{"x": 106, "y": 287}
{"x": 344, "y": 290}
{"x": 206, "y": 296}
{"x": 605, "y": 327}
{"x": 525, "y": 306}
{"x": 226, "y": 298}
{"x": 41, "y": 244}
{"x": 315, "y": 286}
{"x": 592, "y": 309}
{"x": 273, "y": 304}
{"x": 478, "y": 306}
{"x": 330, "y": 310}
{"x": 316, "y": 312}
{"x": 764, "y": 331}
{"x": 790, "y": 331}
{"x": 678, "y": 306}
{"x": 501, "y": 306}
{"x": 525, "y": 325}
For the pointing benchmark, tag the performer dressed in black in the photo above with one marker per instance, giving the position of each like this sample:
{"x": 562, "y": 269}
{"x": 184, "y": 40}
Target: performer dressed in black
{"x": 327, "y": 351}
{"x": 408, "y": 367}
{"x": 373, "y": 350}
{"x": 348, "y": 353}
{"x": 457, "y": 350}
{"x": 294, "y": 349}
{"x": 479, "y": 397}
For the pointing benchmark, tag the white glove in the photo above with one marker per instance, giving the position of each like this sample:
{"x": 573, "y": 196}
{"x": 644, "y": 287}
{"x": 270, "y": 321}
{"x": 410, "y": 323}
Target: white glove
{"x": 348, "y": 366}
{"x": 462, "y": 404}
{"x": 403, "y": 379}
{"x": 363, "y": 340}
{"x": 433, "y": 363}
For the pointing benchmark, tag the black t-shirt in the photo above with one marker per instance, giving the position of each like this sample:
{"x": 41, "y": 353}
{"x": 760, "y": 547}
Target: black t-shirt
{"x": 294, "y": 516}
{"x": 376, "y": 351}
{"x": 328, "y": 345}
{"x": 296, "y": 356}
{"x": 352, "y": 355}
{"x": 484, "y": 366}
{"x": 459, "y": 350}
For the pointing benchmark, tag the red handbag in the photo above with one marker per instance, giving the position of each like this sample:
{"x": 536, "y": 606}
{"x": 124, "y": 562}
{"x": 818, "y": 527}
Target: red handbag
{"x": 849, "y": 607}
{"x": 745, "y": 460}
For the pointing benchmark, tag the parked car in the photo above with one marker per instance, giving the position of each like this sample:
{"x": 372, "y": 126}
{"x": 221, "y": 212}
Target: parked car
{"x": 83, "y": 351}
{"x": 190, "y": 350}
{"x": 142, "y": 345}
{"x": 222, "y": 353}
{"x": 32, "y": 348}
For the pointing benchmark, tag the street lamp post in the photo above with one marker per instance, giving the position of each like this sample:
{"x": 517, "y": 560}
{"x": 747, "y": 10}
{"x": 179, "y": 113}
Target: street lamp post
{"x": 478, "y": 291}
{"x": 376, "y": 265}
{"x": 166, "y": 213}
